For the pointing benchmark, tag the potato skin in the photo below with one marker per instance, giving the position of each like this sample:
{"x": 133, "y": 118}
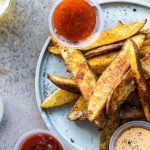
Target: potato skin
{"x": 138, "y": 75}
{"x": 67, "y": 84}
{"x": 79, "y": 68}
{"x": 58, "y": 98}
{"x": 117, "y": 34}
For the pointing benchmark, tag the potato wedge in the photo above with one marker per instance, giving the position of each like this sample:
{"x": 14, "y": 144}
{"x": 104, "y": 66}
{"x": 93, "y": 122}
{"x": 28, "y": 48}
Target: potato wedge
{"x": 120, "y": 23}
{"x": 112, "y": 123}
{"x": 112, "y": 47}
{"x": 121, "y": 92}
{"x": 131, "y": 113}
{"x": 79, "y": 111}
{"x": 67, "y": 84}
{"x": 117, "y": 34}
{"x": 126, "y": 87}
{"x": 146, "y": 66}
{"x": 145, "y": 50}
{"x": 55, "y": 47}
{"x": 83, "y": 76}
{"x": 110, "y": 79}
{"x": 146, "y": 31}
{"x": 138, "y": 75}
{"x": 59, "y": 98}
{"x": 54, "y": 50}
{"x": 100, "y": 63}
{"x": 103, "y": 50}
{"x": 146, "y": 42}
{"x": 107, "y": 82}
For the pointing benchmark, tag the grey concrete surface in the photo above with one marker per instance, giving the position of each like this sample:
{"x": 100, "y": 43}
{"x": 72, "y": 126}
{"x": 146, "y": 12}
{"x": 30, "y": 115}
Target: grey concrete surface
{"x": 23, "y": 32}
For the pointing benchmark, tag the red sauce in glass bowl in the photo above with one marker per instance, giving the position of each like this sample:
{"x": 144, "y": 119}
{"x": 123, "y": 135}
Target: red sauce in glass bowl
{"x": 74, "y": 19}
{"x": 41, "y": 141}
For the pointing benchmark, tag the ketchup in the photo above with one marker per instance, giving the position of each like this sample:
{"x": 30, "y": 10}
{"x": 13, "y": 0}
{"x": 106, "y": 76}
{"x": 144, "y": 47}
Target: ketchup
{"x": 74, "y": 19}
{"x": 41, "y": 141}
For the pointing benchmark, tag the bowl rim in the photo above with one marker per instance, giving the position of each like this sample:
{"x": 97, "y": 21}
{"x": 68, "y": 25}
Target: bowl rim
{"x": 125, "y": 127}
{"x": 85, "y": 43}
{"x": 32, "y": 132}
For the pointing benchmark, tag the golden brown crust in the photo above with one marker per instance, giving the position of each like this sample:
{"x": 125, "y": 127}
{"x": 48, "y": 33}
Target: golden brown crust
{"x": 141, "y": 84}
{"x": 82, "y": 74}
{"x": 59, "y": 98}
{"x": 64, "y": 83}
{"x": 103, "y": 50}
{"x": 118, "y": 33}
{"x": 107, "y": 83}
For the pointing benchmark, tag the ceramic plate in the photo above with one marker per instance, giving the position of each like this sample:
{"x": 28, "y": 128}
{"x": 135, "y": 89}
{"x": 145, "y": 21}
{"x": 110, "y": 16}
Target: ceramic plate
{"x": 79, "y": 135}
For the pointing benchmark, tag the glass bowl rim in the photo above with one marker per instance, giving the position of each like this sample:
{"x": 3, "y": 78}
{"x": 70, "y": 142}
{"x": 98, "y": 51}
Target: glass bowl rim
{"x": 85, "y": 43}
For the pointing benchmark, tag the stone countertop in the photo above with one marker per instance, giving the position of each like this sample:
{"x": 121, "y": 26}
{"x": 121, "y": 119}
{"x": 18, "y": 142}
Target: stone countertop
{"x": 23, "y": 31}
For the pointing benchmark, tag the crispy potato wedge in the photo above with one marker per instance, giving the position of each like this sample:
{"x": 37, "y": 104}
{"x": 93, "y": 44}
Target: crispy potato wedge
{"x": 103, "y": 50}
{"x": 146, "y": 42}
{"x": 121, "y": 92}
{"x": 67, "y": 84}
{"x": 145, "y": 50}
{"x": 131, "y": 113}
{"x": 100, "y": 63}
{"x": 55, "y": 47}
{"x": 117, "y": 34}
{"x": 126, "y": 87}
{"x": 146, "y": 31}
{"x": 120, "y": 23}
{"x": 112, "y": 123}
{"x": 79, "y": 111}
{"x": 146, "y": 66}
{"x": 107, "y": 82}
{"x": 110, "y": 79}
{"x": 82, "y": 74}
{"x": 138, "y": 75}
{"x": 59, "y": 98}
{"x": 112, "y": 47}
{"x": 54, "y": 50}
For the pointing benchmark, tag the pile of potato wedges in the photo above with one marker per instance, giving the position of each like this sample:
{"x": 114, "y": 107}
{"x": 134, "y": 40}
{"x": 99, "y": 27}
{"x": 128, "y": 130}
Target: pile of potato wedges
{"x": 110, "y": 79}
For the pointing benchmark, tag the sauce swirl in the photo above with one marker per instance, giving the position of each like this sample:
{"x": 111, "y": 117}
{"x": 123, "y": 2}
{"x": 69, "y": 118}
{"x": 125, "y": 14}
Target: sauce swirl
{"x": 134, "y": 139}
{"x": 74, "y": 19}
{"x": 41, "y": 141}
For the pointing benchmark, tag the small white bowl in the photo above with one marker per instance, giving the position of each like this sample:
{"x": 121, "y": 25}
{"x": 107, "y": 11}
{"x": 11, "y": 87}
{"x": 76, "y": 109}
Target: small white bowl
{"x": 32, "y": 132}
{"x": 1, "y": 109}
{"x": 4, "y": 7}
{"x": 87, "y": 41}
{"x": 123, "y": 128}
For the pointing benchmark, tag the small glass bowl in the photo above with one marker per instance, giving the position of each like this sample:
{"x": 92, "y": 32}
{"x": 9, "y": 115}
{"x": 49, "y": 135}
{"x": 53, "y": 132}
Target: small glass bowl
{"x": 82, "y": 43}
{"x": 4, "y": 7}
{"x": 32, "y": 132}
{"x": 123, "y": 128}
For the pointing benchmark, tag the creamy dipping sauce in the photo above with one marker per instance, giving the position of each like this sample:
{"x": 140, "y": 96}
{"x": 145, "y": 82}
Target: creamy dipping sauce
{"x": 134, "y": 139}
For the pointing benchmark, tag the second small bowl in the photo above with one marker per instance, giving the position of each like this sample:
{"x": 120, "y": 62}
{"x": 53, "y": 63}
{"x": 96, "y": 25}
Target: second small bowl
{"x": 125, "y": 127}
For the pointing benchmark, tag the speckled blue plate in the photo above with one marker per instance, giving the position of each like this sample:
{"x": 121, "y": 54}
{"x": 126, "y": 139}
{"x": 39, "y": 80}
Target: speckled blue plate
{"x": 80, "y": 135}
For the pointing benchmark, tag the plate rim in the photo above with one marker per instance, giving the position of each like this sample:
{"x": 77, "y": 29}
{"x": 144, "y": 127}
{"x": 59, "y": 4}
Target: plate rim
{"x": 40, "y": 60}
{"x": 137, "y": 2}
